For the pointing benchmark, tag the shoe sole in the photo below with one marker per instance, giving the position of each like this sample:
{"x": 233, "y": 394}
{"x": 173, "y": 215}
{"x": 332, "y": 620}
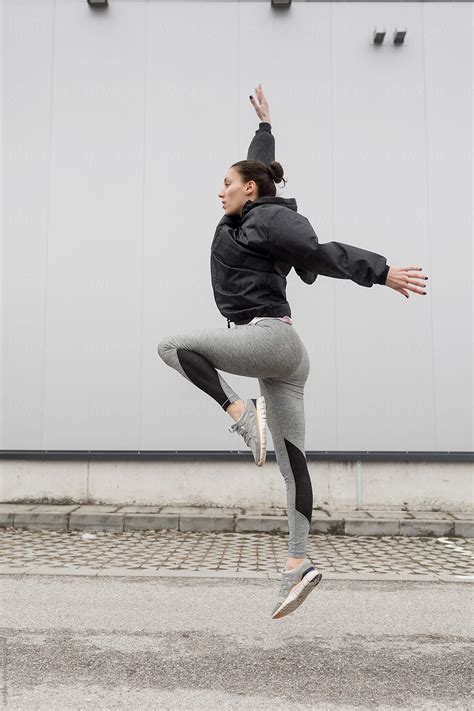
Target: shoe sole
{"x": 299, "y": 594}
{"x": 261, "y": 408}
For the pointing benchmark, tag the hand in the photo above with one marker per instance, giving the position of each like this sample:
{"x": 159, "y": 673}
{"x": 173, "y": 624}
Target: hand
{"x": 261, "y": 105}
{"x": 403, "y": 278}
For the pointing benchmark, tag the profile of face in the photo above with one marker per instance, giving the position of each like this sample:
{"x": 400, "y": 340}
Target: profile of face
{"x": 235, "y": 193}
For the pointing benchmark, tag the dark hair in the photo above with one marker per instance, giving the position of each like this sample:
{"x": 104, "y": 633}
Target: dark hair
{"x": 263, "y": 175}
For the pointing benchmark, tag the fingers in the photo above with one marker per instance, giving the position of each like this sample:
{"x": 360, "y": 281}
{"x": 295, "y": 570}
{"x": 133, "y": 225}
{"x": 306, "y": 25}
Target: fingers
{"x": 407, "y": 287}
{"x": 261, "y": 96}
{"x": 253, "y": 100}
{"x": 260, "y": 104}
{"x": 416, "y": 289}
{"x": 415, "y": 269}
{"x": 414, "y": 282}
{"x": 410, "y": 286}
{"x": 405, "y": 279}
{"x": 256, "y": 106}
{"x": 413, "y": 286}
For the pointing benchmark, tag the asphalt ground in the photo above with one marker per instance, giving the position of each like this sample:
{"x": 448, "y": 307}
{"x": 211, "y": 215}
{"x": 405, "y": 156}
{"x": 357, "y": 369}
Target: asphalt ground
{"x": 84, "y": 642}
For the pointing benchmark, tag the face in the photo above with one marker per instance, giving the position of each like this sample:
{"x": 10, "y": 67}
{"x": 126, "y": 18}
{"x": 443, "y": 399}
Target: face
{"x": 236, "y": 193}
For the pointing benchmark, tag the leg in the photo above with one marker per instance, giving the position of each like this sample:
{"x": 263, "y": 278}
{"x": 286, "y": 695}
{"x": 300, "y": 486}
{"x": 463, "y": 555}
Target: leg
{"x": 198, "y": 370}
{"x": 286, "y": 421}
{"x": 272, "y": 352}
{"x": 262, "y": 350}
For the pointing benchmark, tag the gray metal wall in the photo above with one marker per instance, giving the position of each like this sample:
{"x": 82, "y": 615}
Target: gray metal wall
{"x": 118, "y": 127}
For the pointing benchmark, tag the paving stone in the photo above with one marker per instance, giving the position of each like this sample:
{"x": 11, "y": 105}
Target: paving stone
{"x": 264, "y": 524}
{"x": 334, "y": 526}
{"x": 319, "y": 514}
{"x": 262, "y": 512}
{"x": 434, "y": 527}
{"x": 370, "y": 527}
{"x": 217, "y": 519}
{"x": 211, "y": 511}
{"x": 246, "y": 552}
{"x": 55, "y": 508}
{"x": 464, "y": 529}
{"x": 202, "y": 510}
{"x": 139, "y": 509}
{"x": 97, "y": 508}
{"x": 46, "y": 521}
{"x": 432, "y": 515}
{"x": 5, "y": 507}
{"x": 178, "y": 509}
{"x": 96, "y": 521}
{"x": 391, "y": 514}
{"x": 154, "y": 522}
{"x": 206, "y": 522}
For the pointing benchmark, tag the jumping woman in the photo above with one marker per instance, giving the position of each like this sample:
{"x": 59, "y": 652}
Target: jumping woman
{"x": 256, "y": 243}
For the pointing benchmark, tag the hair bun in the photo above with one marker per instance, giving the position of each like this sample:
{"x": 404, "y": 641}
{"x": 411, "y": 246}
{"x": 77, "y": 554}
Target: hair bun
{"x": 276, "y": 172}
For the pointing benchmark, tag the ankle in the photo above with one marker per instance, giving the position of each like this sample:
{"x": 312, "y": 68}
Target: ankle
{"x": 293, "y": 563}
{"x": 236, "y": 409}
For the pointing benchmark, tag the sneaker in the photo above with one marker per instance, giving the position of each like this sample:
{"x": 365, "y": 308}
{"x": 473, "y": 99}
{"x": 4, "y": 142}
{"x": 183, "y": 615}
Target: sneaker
{"x": 295, "y": 587}
{"x": 252, "y": 427}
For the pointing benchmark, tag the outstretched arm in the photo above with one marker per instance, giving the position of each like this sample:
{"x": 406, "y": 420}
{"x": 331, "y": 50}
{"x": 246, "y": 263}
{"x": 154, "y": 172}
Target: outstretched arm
{"x": 292, "y": 239}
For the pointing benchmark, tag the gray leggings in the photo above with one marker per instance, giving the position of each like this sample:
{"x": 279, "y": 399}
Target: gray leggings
{"x": 271, "y": 351}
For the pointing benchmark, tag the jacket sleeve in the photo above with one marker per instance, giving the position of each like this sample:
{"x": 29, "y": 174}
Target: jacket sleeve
{"x": 292, "y": 239}
{"x": 262, "y": 146}
{"x": 305, "y": 275}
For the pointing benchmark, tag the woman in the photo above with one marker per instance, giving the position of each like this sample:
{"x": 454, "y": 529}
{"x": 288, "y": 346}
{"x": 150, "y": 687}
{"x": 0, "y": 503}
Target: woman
{"x": 256, "y": 243}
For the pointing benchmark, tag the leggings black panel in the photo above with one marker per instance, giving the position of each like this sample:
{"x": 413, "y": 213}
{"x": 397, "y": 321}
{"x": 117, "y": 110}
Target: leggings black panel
{"x": 203, "y": 375}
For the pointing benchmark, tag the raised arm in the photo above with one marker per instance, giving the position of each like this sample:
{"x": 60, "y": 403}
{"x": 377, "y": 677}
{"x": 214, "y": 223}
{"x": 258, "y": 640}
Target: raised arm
{"x": 262, "y": 146}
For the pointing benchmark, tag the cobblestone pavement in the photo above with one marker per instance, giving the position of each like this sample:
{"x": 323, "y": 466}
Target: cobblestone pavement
{"x": 224, "y": 554}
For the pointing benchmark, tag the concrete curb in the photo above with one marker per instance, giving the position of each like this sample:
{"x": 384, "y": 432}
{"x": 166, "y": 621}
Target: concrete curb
{"x": 140, "y": 518}
{"x": 222, "y": 574}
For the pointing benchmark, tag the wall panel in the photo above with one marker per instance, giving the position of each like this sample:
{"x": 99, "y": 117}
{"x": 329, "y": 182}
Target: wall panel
{"x": 118, "y": 129}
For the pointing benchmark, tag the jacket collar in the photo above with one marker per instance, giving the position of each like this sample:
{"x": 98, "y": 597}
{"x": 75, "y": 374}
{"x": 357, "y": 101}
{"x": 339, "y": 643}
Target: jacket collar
{"x": 268, "y": 199}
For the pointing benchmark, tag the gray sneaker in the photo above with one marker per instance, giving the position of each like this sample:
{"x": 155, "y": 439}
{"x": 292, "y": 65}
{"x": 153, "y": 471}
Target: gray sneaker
{"x": 295, "y": 587}
{"x": 252, "y": 427}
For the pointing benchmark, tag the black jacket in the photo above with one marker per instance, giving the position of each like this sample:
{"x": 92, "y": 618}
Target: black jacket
{"x": 252, "y": 254}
